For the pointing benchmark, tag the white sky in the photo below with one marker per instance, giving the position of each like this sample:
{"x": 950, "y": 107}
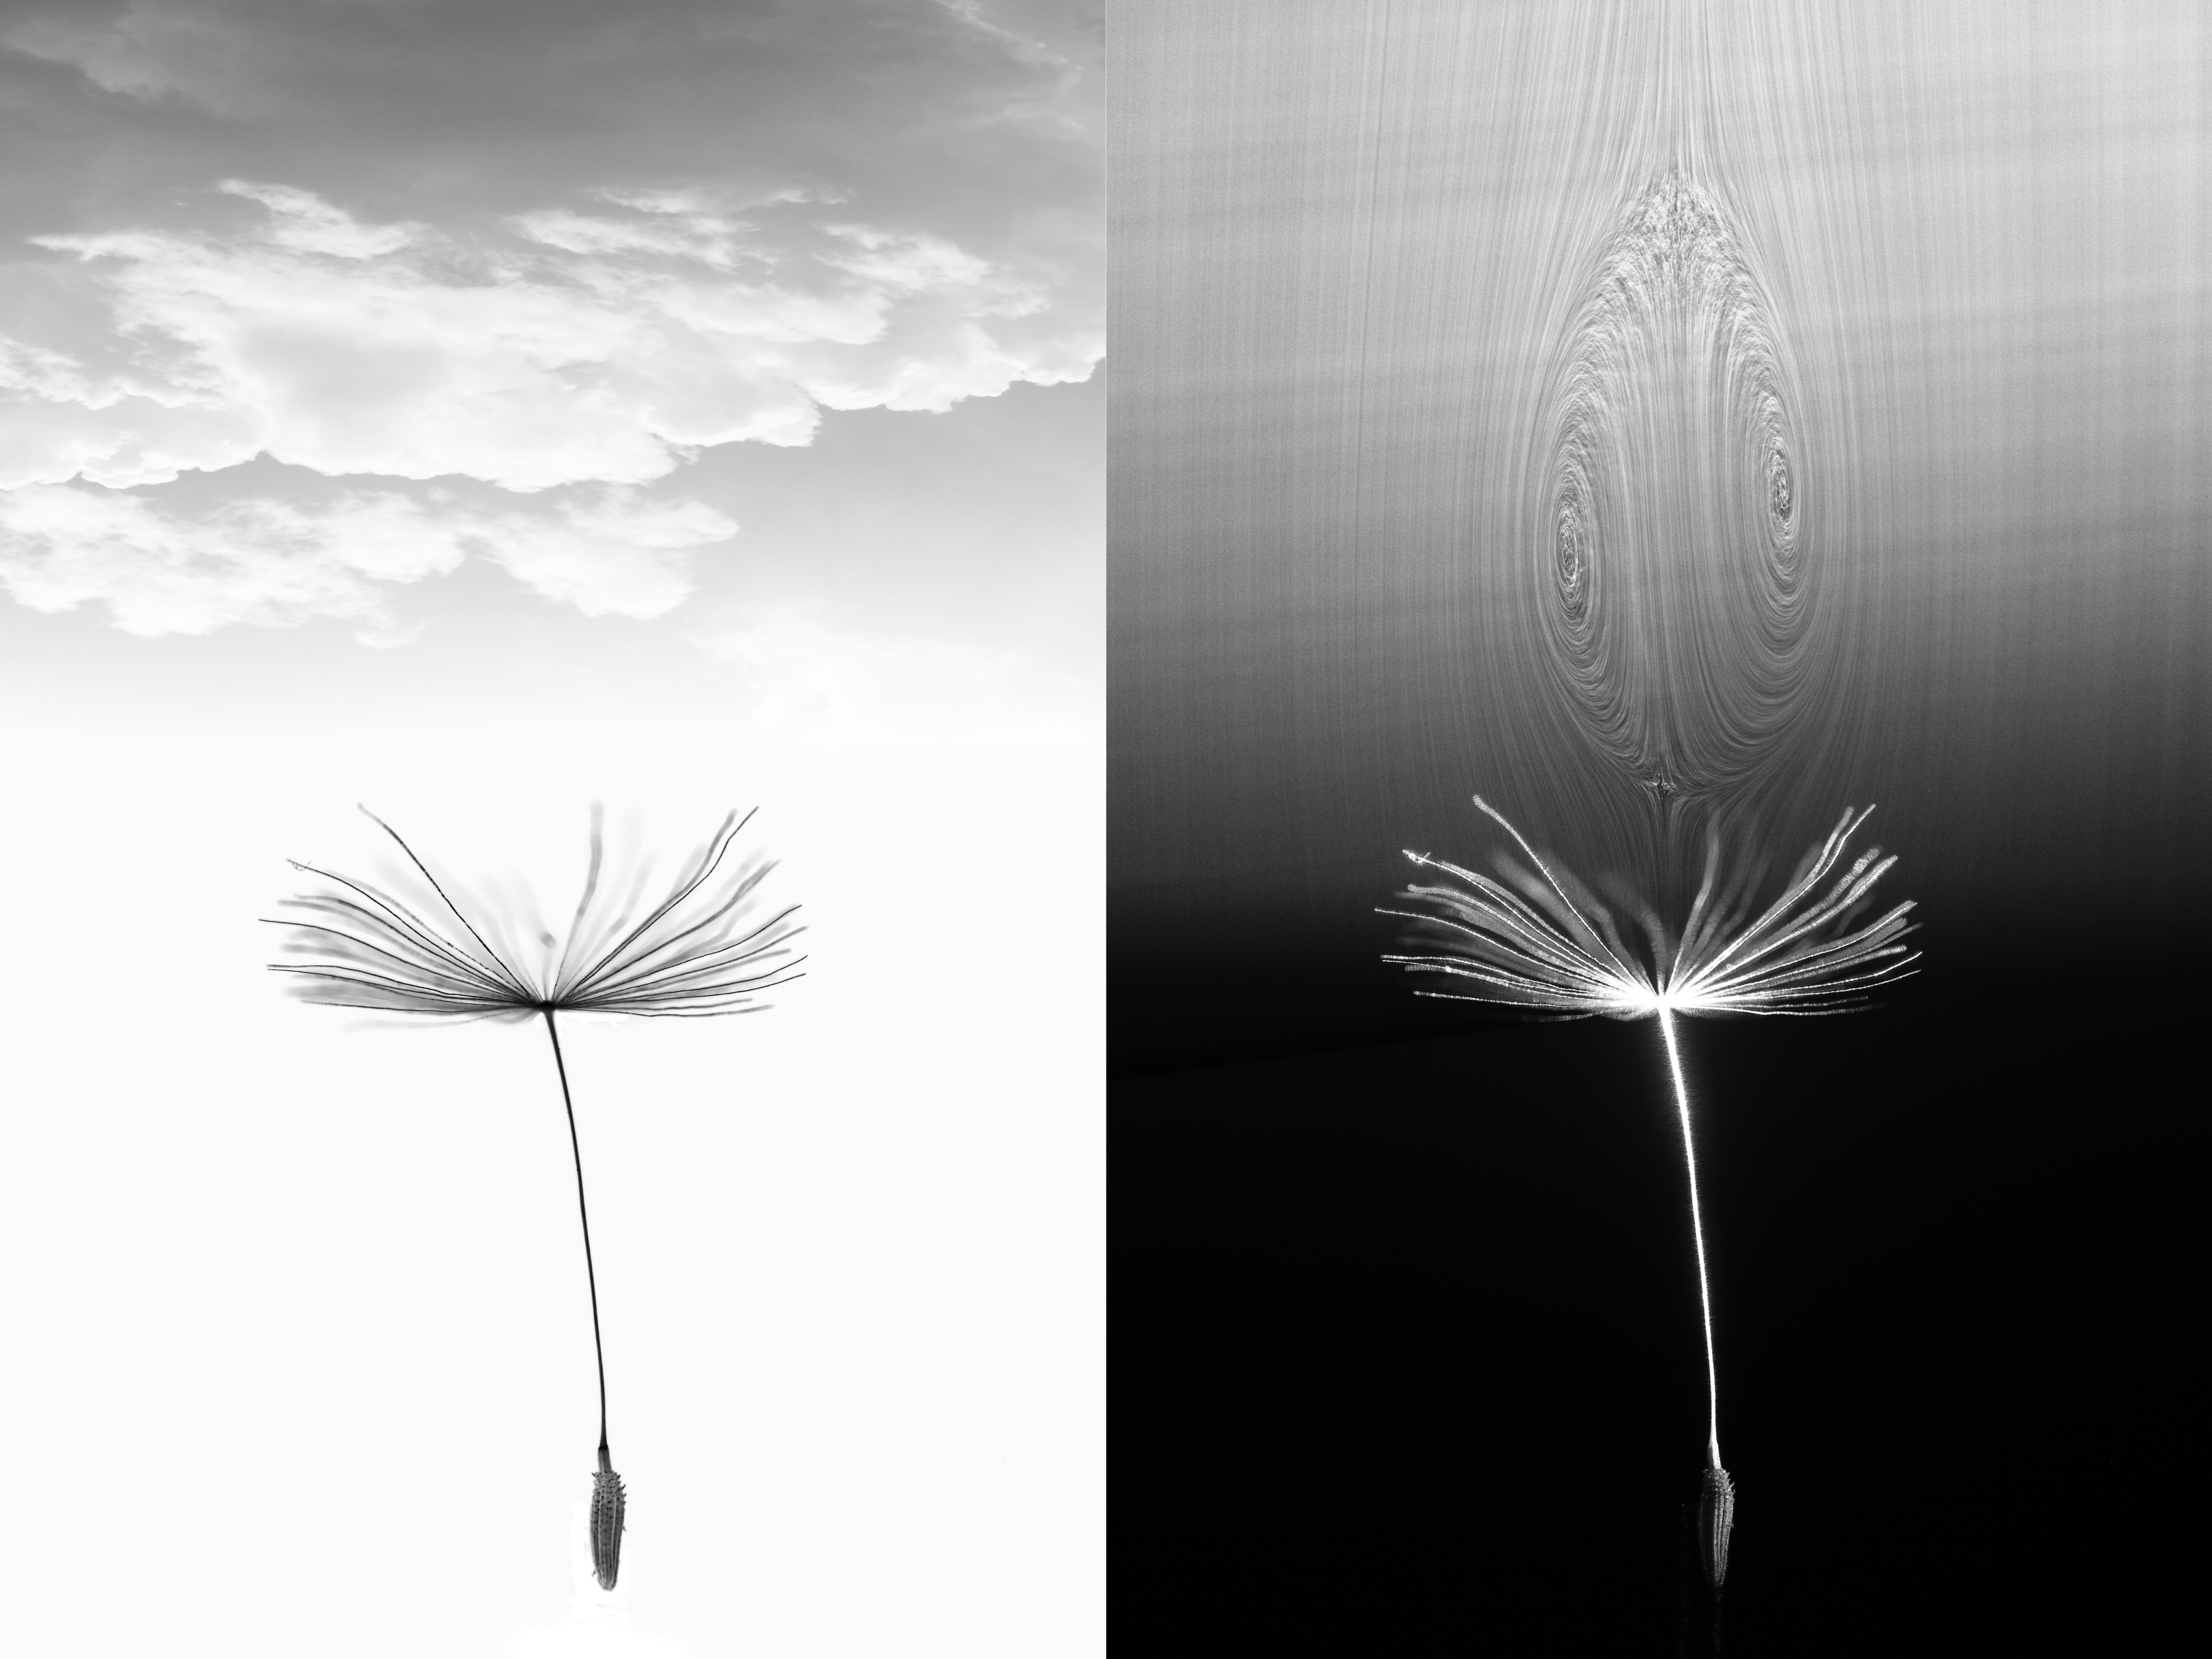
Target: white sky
{"x": 303, "y": 1357}
{"x": 476, "y": 411}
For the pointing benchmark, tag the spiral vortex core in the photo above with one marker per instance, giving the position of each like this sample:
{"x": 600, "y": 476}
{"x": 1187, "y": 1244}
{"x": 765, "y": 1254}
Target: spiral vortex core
{"x": 1673, "y": 558}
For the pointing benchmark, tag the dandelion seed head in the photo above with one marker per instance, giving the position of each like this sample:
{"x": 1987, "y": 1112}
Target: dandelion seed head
{"x": 1534, "y": 937}
{"x": 709, "y": 945}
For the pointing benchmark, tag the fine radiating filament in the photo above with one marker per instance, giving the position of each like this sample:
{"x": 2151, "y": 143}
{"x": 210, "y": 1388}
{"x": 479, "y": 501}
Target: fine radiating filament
{"x": 1533, "y": 944}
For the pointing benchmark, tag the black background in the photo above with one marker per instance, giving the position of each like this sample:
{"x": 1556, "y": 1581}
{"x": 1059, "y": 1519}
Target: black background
{"x": 1406, "y": 1342}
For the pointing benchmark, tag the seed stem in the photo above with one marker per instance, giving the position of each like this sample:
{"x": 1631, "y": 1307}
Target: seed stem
{"x": 592, "y": 1278}
{"x": 1696, "y": 1233}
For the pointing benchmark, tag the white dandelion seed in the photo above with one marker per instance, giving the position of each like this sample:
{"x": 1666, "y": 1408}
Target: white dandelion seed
{"x": 1550, "y": 948}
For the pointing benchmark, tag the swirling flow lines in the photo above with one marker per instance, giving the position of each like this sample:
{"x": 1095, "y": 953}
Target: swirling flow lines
{"x": 1669, "y": 553}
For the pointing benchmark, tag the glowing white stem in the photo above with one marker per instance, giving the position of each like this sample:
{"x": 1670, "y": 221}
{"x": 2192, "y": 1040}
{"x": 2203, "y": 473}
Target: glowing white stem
{"x": 1696, "y": 1232}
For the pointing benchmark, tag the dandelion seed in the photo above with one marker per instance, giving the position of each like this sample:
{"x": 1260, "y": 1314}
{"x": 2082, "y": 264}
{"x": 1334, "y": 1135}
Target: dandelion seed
{"x": 1536, "y": 939}
{"x": 697, "y": 952}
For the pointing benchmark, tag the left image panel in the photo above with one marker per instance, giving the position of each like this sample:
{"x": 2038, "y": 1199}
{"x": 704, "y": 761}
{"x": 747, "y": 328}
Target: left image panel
{"x": 527, "y": 533}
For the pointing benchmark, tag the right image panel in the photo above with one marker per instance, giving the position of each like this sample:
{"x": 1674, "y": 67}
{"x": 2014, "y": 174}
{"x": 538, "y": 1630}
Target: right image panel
{"x": 1661, "y": 746}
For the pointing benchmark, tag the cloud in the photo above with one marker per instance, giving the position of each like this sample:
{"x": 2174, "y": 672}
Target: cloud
{"x": 147, "y": 52}
{"x": 263, "y": 561}
{"x": 307, "y": 224}
{"x": 614, "y": 554}
{"x": 62, "y": 418}
{"x": 810, "y": 681}
{"x": 398, "y": 243}
{"x": 161, "y": 569}
{"x": 463, "y": 64}
{"x": 600, "y": 343}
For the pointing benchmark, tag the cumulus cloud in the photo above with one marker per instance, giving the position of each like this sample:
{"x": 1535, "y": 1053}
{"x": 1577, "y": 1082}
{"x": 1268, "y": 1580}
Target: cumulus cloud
{"x": 594, "y": 346}
{"x": 162, "y": 570}
{"x": 261, "y": 561}
{"x": 612, "y": 554}
{"x": 560, "y": 263}
{"x": 595, "y": 343}
{"x": 62, "y": 418}
{"x": 304, "y": 222}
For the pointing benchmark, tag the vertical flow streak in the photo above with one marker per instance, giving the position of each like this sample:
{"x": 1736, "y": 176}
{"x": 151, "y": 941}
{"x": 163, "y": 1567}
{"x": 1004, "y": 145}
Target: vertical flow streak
{"x": 592, "y": 1278}
{"x": 1697, "y": 1233}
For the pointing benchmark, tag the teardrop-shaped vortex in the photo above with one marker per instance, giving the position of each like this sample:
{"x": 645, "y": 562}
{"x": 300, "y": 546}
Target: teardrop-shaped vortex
{"x": 606, "y": 1522}
{"x": 1671, "y": 554}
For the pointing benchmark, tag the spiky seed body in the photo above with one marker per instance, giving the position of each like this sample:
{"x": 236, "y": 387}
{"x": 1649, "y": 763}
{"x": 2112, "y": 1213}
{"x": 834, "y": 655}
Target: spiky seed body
{"x": 1716, "y": 1516}
{"x": 606, "y": 1522}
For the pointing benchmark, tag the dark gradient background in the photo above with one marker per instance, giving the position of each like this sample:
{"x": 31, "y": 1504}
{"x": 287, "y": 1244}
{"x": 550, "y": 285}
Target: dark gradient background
{"x": 1407, "y": 1334}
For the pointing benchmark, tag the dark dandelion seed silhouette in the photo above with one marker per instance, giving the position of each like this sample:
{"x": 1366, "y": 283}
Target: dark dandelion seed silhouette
{"x": 696, "y": 953}
{"x": 1558, "y": 951}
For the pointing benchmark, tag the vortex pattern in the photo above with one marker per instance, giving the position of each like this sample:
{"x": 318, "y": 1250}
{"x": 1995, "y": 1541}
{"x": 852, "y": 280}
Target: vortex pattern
{"x": 1672, "y": 554}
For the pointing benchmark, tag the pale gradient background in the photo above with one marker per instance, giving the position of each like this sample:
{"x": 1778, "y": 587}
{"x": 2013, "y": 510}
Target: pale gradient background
{"x": 474, "y": 411}
{"x": 1343, "y": 238}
